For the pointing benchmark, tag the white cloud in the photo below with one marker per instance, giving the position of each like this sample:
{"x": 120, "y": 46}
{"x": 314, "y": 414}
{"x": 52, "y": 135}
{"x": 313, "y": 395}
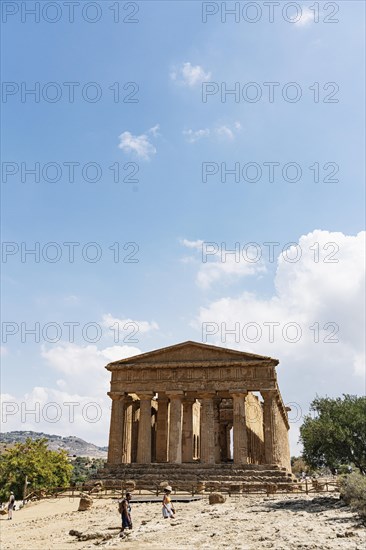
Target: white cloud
{"x": 308, "y": 291}
{"x": 224, "y": 131}
{"x": 139, "y": 145}
{"x": 307, "y": 16}
{"x": 80, "y": 396}
{"x": 82, "y": 366}
{"x": 190, "y": 75}
{"x": 227, "y": 272}
{"x": 228, "y": 131}
{"x": 219, "y": 266}
{"x": 313, "y": 294}
{"x": 154, "y": 131}
{"x": 81, "y": 385}
{"x": 192, "y": 244}
{"x": 56, "y": 411}
{"x": 194, "y": 135}
{"x": 129, "y": 325}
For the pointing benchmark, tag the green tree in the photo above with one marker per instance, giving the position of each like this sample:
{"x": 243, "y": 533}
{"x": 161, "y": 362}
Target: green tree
{"x": 84, "y": 468}
{"x": 336, "y": 434}
{"x": 33, "y": 460}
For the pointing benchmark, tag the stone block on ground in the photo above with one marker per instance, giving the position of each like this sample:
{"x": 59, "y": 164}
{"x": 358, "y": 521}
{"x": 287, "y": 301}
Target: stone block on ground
{"x": 85, "y": 503}
{"x": 216, "y": 498}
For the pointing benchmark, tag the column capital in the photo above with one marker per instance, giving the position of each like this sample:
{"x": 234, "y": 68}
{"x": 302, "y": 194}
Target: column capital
{"x": 269, "y": 394}
{"x": 188, "y": 400}
{"x": 175, "y": 393}
{"x": 240, "y": 392}
{"x": 207, "y": 395}
{"x": 144, "y": 396}
{"x": 116, "y": 396}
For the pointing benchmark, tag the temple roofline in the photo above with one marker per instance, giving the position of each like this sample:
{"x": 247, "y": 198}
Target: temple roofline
{"x": 190, "y": 343}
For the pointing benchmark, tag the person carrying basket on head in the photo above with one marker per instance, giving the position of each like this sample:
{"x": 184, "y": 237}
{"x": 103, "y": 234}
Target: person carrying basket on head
{"x": 168, "y": 508}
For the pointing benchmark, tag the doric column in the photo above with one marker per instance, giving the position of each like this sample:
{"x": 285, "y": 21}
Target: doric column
{"x": 269, "y": 428}
{"x": 175, "y": 427}
{"x": 223, "y": 442}
{"x": 216, "y": 403}
{"x": 116, "y": 428}
{"x": 144, "y": 437}
{"x": 135, "y": 429}
{"x": 162, "y": 429}
{"x": 207, "y": 428}
{"x": 187, "y": 430}
{"x": 239, "y": 428}
{"x": 127, "y": 432}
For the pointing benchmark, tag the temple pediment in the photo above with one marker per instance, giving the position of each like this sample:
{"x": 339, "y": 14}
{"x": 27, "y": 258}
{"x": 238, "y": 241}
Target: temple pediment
{"x": 192, "y": 352}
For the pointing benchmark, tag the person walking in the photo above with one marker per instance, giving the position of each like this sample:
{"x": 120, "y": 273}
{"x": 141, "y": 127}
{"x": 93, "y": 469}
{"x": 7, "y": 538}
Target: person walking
{"x": 11, "y": 505}
{"x": 168, "y": 508}
{"x": 124, "y": 509}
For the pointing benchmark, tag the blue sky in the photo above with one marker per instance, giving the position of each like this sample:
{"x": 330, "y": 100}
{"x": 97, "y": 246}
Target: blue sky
{"x": 168, "y": 134}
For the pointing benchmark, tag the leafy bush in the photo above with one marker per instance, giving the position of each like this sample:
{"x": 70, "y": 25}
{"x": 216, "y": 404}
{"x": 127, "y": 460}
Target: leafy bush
{"x": 353, "y": 492}
{"x": 32, "y": 461}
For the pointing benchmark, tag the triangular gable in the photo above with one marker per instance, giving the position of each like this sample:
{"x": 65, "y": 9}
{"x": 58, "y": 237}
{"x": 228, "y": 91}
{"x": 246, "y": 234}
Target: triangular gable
{"x": 192, "y": 351}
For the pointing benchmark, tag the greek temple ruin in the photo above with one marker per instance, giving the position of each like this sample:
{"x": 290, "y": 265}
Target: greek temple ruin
{"x": 192, "y": 406}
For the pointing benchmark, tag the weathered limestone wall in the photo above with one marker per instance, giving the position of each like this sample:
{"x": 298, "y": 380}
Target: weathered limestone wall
{"x": 254, "y": 418}
{"x": 283, "y": 447}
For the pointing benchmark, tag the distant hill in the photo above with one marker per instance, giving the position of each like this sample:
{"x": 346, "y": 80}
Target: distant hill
{"x": 73, "y": 445}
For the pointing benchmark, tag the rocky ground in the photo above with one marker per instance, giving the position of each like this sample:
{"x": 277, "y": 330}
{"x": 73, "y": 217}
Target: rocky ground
{"x": 245, "y": 523}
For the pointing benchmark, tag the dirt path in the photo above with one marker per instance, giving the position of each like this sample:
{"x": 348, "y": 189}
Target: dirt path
{"x": 245, "y": 523}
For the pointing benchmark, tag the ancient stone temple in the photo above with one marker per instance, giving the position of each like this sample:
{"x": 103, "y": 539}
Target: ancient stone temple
{"x": 192, "y": 406}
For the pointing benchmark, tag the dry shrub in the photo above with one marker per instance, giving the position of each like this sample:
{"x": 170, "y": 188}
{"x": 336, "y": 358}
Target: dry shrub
{"x": 353, "y": 492}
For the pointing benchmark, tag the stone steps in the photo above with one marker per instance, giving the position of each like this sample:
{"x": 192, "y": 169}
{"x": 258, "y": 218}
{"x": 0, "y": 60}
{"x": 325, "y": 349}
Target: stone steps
{"x": 125, "y": 473}
{"x": 194, "y": 465}
{"x": 186, "y": 476}
{"x": 198, "y": 477}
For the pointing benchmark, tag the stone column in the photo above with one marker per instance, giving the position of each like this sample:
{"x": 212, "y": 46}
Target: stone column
{"x": 153, "y": 434}
{"x": 135, "y": 430}
{"x": 216, "y": 403}
{"x": 269, "y": 428}
{"x": 116, "y": 428}
{"x": 127, "y": 432}
{"x": 207, "y": 429}
{"x": 144, "y": 437}
{"x": 239, "y": 428}
{"x": 187, "y": 430}
{"x": 175, "y": 427}
{"x": 162, "y": 429}
{"x": 223, "y": 442}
